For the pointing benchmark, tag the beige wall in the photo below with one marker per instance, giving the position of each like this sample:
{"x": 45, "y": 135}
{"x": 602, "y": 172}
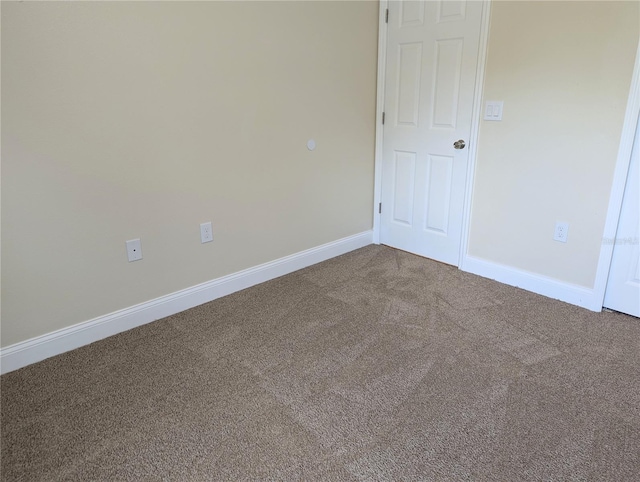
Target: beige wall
{"x": 563, "y": 70}
{"x": 128, "y": 119}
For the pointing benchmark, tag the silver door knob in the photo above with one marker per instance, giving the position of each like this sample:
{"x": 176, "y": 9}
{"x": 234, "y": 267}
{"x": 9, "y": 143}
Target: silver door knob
{"x": 459, "y": 144}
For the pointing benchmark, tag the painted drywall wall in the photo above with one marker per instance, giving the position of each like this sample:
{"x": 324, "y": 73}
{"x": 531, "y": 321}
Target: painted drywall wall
{"x": 563, "y": 70}
{"x": 143, "y": 119}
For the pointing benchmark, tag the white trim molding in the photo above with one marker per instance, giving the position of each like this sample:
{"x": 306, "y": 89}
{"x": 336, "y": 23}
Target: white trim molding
{"x": 542, "y": 285}
{"x": 39, "y": 348}
{"x": 475, "y": 128}
{"x": 382, "y": 65}
{"x": 620, "y": 173}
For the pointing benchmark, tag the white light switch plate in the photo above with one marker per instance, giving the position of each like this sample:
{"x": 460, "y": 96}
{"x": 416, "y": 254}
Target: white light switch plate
{"x": 493, "y": 110}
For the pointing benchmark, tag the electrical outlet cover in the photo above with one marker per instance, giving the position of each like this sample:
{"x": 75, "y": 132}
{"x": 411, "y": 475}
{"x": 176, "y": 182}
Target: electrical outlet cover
{"x": 206, "y": 233}
{"x": 134, "y": 250}
{"x": 561, "y": 232}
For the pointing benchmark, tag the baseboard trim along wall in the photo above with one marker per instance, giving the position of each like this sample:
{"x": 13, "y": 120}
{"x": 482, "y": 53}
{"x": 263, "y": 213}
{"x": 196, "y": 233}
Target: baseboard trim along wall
{"x": 542, "y": 285}
{"x": 39, "y": 348}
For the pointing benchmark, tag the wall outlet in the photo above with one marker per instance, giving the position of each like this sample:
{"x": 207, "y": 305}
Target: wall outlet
{"x": 206, "y": 232}
{"x": 561, "y": 232}
{"x": 134, "y": 249}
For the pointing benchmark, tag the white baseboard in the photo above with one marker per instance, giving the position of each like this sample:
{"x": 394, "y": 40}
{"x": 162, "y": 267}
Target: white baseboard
{"x": 59, "y": 341}
{"x": 542, "y": 285}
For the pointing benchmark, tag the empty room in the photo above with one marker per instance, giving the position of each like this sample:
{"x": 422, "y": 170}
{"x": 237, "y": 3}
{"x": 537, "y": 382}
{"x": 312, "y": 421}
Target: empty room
{"x": 320, "y": 240}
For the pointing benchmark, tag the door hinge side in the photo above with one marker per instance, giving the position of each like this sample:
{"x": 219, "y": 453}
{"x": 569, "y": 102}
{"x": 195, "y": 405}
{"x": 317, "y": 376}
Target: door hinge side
{"x": 379, "y": 208}
{"x": 383, "y": 118}
{"x": 386, "y": 16}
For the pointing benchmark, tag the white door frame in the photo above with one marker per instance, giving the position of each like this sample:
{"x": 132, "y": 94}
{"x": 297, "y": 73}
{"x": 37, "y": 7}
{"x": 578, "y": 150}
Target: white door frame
{"x": 617, "y": 188}
{"x": 475, "y": 122}
{"x": 382, "y": 66}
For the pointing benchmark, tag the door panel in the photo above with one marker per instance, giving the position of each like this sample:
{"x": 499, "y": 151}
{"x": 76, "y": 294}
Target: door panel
{"x": 432, "y": 53}
{"x": 440, "y": 175}
{"x": 405, "y": 174}
{"x": 409, "y": 84}
{"x": 448, "y": 66}
{"x": 411, "y": 13}
{"x": 451, "y": 11}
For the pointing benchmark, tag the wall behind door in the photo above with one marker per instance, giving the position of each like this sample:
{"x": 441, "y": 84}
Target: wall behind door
{"x": 563, "y": 70}
{"x": 126, "y": 119}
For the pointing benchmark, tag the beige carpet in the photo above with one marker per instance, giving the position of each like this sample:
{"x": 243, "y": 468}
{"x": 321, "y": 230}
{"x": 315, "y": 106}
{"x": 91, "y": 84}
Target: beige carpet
{"x": 377, "y": 365}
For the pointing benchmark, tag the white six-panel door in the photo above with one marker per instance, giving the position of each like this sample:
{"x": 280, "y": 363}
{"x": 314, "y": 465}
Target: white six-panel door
{"x": 432, "y": 55}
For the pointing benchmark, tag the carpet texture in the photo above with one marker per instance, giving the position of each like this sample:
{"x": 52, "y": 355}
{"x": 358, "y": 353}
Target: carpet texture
{"x": 376, "y": 365}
